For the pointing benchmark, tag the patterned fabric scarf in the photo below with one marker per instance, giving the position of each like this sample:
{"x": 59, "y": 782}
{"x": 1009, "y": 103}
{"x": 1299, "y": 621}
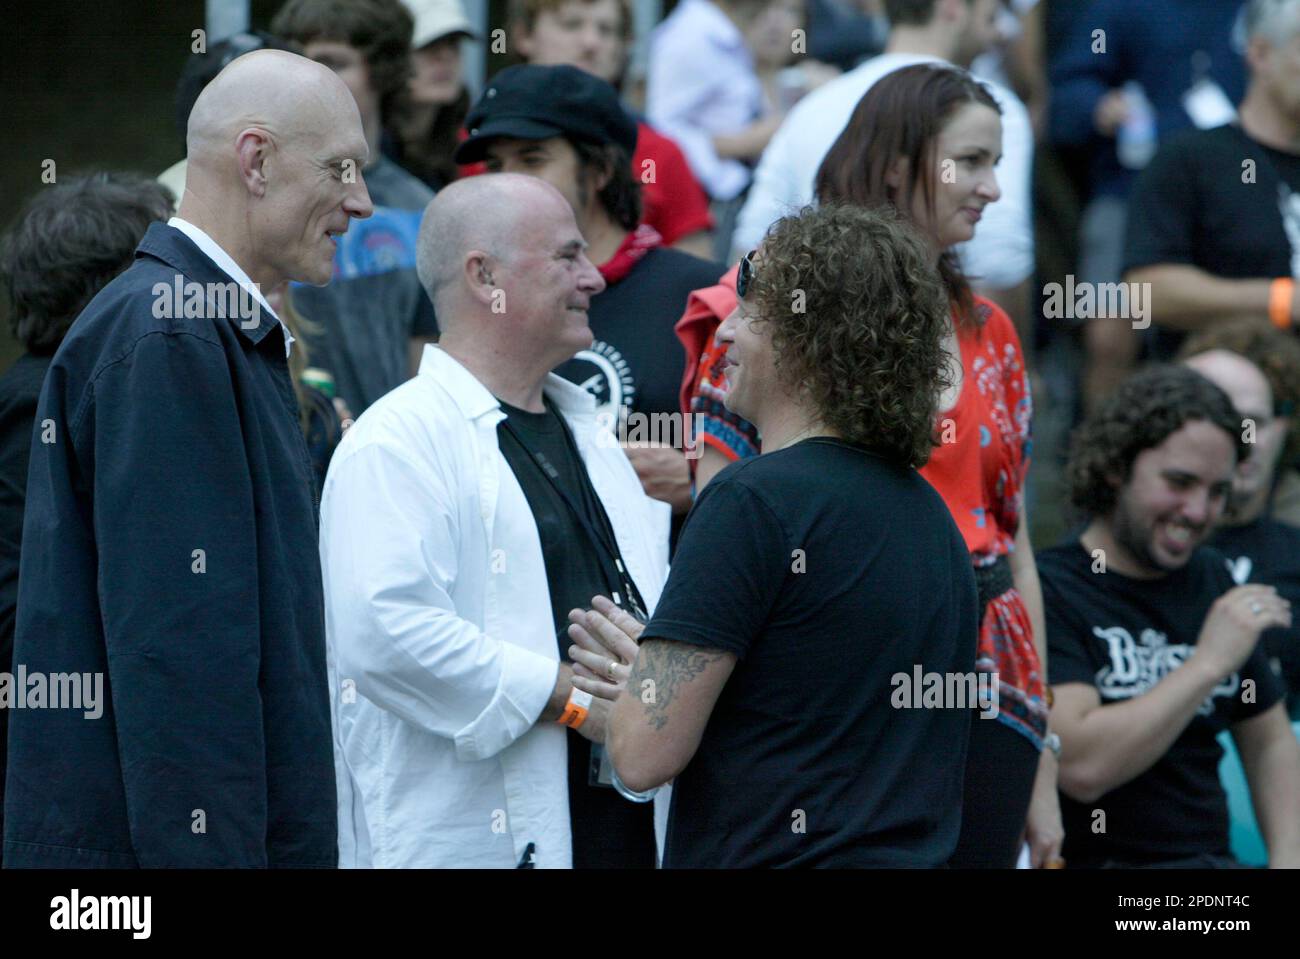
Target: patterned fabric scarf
{"x": 634, "y": 246}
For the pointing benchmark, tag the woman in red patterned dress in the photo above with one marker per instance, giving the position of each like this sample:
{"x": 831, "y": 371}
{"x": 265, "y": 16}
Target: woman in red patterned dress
{"x": 925, "y": 140}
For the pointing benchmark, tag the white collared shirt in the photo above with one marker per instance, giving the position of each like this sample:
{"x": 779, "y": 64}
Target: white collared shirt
{"x": 700, "y": 83}
{"x": 213, "y": 251}
{"x": 1002, "y": 253}
{"x": 441, "y": 647}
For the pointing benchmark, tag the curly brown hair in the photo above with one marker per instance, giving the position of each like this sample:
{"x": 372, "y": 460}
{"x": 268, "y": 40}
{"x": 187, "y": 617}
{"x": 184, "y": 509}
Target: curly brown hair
{"x": 1277, "y": 355}
{"x": 381, "y": 30}
{"x": 1148, "y": 407}
{"x": 858, "y": 315}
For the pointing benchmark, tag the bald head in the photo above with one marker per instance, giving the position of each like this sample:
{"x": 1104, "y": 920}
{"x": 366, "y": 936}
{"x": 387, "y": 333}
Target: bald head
{"x": 1237, "y": 376}
{"x": 276, "y": 151}
{"x": 293, "y": 99}
{"x": 495, "y": 213}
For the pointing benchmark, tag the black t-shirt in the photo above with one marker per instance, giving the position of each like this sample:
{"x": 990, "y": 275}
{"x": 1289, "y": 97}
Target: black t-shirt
{"x": 608, "y": 830}
{"x": 1200, "y": 203}
{"x": 1122, "y": 636}
{"x": 636, "y": 360}
{"x": 827, "y": 571}
{"x": 1268, "y": 552}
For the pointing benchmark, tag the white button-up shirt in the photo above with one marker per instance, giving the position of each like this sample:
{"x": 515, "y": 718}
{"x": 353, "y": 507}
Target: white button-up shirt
{"x": 1002, "y": 252}
{"x": 441, "y": 645}
{"x": 701, "y": 82}
{"x": 213, "y": 251}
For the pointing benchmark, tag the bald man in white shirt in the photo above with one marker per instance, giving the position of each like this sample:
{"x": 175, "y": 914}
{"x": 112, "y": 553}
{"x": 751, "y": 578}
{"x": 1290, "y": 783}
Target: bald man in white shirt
{"x": 443, "y": 574}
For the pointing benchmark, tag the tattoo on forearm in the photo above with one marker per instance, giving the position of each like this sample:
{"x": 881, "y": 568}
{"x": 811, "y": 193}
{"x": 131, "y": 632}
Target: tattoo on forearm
{"x": 661, "y": 667}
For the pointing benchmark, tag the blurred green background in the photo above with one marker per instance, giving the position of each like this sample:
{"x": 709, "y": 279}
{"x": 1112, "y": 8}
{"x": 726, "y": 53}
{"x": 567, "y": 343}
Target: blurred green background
{"x": 90, "y": 85}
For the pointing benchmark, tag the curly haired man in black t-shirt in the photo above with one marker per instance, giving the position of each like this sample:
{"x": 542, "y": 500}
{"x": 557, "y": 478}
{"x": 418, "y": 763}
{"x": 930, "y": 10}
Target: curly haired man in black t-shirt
{"x": 810, "y": 582}
{"x": 1153, "y": 650}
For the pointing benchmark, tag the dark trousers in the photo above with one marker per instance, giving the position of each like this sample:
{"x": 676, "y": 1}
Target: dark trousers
{"x": 1000, "y": 768}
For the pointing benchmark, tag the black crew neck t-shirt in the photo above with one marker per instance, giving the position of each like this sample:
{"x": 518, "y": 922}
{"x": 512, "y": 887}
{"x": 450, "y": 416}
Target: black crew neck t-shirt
{"x": 1122, "y": 636}
{"x": 636, "y": 362}
{"x": 827, "y": 571}
{"x": 1220, "y": 201}
{"x": 1267, "y": 551}
{"x": 608, "y": 831}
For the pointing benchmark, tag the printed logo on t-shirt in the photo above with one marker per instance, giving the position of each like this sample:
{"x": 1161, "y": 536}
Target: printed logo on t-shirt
{"x": 381, "y": 243}
{"x": 1136, "y": 666}
{"x": 1239, "y": 569}
{"x": 606, "y": 375}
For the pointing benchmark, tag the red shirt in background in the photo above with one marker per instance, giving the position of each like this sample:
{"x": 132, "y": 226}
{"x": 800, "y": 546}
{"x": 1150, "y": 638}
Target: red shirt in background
{"x": 673, "y": 202}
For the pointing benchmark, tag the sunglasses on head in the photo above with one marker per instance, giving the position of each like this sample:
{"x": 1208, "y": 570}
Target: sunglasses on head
{"x": 745, "y": 275}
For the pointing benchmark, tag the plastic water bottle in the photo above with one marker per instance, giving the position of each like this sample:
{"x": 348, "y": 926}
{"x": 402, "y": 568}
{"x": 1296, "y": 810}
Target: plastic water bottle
{"x": 1135, "y": 143}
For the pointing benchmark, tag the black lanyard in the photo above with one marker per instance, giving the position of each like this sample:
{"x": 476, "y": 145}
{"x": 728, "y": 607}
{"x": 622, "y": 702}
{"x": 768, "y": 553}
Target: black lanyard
{"x": 603, "y": 539}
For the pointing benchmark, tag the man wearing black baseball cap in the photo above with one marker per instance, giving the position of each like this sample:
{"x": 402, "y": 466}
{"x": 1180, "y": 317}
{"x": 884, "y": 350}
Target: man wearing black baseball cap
{"x": 567, "y": 127}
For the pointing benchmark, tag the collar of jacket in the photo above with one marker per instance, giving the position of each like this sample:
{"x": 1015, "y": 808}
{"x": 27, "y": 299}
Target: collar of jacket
{"x": 172, "y": 247}
{"x": 473, "y": 399}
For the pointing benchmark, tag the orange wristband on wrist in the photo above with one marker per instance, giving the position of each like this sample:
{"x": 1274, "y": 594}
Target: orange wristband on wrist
{"x": 1280, "y": 295}
{"x": 576, "y": 709}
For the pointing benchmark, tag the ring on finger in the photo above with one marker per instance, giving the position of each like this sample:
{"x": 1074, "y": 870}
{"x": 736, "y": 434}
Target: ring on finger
{"x": 610, "y": 671}
{"x": 1256, "y": 608}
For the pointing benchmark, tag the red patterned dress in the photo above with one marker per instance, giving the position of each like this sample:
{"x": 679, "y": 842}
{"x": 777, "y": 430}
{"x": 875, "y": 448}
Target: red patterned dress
{"x": 979, "y": 470}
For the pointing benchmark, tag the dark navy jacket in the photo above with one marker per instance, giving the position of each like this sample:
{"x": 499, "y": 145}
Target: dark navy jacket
{"x": 171, "y": 436}
{"x": 1152, "y": 42}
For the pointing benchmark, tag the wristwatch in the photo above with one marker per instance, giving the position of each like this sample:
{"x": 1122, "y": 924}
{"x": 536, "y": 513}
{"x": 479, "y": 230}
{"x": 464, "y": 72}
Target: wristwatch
{"x": 1053, "y": 742}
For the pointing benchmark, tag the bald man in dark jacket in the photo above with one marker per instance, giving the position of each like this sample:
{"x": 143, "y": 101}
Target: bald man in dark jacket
{"x": 170, "y": 541}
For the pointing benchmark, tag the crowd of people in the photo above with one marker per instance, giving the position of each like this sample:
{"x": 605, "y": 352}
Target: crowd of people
{"x": 629, "y": 465}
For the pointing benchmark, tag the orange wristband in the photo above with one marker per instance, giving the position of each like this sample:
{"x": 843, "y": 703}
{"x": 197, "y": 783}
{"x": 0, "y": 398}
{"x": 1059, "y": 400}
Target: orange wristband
{"x": 1280, "y": 295}
{"x": 575, "y": 710}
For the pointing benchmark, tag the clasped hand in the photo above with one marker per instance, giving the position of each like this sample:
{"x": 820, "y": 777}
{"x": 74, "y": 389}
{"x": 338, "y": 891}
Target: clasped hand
{"x": 605, "y": 647}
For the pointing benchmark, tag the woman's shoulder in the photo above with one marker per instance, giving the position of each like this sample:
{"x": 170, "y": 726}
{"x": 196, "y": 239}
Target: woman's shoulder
{"x": 994, "y": 321}
{"x": 993, "y": 332}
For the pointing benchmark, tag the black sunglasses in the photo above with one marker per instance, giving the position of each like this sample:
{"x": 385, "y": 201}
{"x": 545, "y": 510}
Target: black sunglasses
{"x": 745, "y": 275}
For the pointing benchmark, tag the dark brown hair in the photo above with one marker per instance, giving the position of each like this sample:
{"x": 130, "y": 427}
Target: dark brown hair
{"x": 68, "y": 242}
{"x": 524, "y": 13}
{"x": 1147, "y": 409}
{"x": 621, "y": 195}
{"x": 427, "y": 153}
{"x": 857, "y": 316}
{"x": 901, "y": 117}
{"x": 382, "y": 30}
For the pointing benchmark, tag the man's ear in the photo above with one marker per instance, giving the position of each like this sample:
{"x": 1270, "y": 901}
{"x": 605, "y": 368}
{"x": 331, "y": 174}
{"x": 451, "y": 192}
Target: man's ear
{"x": 253, "y": 149}
{"x": 601, "y": 179}
{"x": 478, "y": 276}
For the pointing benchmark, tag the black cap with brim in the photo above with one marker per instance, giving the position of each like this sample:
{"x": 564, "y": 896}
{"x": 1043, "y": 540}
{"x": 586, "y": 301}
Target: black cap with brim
{"x": 529, "y": 102}
{"x": 474, "y": 149}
